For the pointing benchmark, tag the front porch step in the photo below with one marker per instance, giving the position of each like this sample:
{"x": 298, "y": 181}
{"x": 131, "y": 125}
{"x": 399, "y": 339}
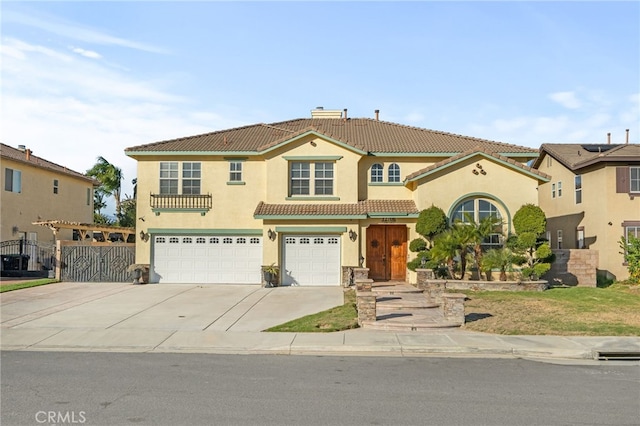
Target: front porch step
{"x": 408, "y": 321}
{"x": 403, "y": 307}
{"x": 409, "y": 301}
{"x": 382, "y": 288}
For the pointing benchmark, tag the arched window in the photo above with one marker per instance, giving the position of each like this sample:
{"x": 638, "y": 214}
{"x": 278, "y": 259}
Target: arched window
{"x": 394, "y": 173}
{"x": 376, "y": 173}
{"x": 477, "y": 209}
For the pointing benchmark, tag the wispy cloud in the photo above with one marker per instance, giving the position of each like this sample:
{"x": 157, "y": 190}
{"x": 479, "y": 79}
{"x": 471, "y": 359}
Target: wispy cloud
{"x": 566, "y": 99}
{"x": 70, "y": 109}
{"x": 86, "y": 53}
{"x": 75, "y": 31}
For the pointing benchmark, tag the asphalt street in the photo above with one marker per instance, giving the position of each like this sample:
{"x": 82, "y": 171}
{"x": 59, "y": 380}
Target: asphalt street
{"x": 204, "y": 389}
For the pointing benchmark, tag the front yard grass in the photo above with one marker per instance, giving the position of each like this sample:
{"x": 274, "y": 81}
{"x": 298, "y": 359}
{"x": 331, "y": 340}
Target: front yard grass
{"x": 343, "y": 317}
{"x": 573, "y": 311}
{"x": 26, "y": 284}
{"x": 570, "y": 311}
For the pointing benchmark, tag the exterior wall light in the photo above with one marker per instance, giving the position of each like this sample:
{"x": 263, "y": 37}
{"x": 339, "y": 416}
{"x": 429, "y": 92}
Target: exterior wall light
{"x": 352, "y": 235}
{"x": 144, "y": 236}
{"x": 271, "y": 234}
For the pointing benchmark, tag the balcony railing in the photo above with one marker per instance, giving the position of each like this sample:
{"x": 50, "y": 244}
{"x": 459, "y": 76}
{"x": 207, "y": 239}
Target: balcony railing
{"x": 182, "y": 202}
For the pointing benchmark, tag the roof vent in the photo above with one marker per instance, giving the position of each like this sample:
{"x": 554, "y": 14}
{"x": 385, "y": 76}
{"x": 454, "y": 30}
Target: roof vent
{"x": 22, "y": 147}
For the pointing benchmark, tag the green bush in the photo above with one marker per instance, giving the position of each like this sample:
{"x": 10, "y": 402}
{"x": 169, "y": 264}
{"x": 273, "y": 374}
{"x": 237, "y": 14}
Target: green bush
{"x": 530, "y": 218}
{"x": 631, "y": 251}
{"x": 431, "y": 222}
{"x": 417, "y": 245}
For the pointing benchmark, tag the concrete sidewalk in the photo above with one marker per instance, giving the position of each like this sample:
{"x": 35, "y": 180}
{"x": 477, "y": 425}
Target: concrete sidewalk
{"x": 228, "y": 319}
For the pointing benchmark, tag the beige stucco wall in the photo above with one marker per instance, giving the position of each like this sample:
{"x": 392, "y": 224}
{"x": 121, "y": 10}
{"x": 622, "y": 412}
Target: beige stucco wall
{"x": 38, "y": 202}
{"x": 601, "y": 212}
{"x": 507, "y": 188}
{"x": 385, "y": 190}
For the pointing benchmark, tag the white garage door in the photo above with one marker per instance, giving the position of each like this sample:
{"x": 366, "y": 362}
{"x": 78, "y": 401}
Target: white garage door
{"x": 208, "y": 259}
{"x": 311, "y": 260}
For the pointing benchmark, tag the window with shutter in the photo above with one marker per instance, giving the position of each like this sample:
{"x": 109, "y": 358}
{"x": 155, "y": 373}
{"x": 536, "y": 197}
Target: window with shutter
{"x": 622, "y": 180}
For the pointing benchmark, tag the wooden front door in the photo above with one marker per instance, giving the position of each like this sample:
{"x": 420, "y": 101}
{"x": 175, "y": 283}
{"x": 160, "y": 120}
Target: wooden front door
{"x": 387, "y": 252}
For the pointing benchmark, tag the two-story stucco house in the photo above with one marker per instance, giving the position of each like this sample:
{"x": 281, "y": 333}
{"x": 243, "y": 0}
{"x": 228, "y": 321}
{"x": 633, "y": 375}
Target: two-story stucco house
{"x": 592, "y": 200}
{"x": 314, "y": 196}
{"x": 35, "y": 189}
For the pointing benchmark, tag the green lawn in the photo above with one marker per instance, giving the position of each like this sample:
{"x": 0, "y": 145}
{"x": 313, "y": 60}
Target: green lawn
{"x": 614, "y": 311}
{"x": 343, "y": 317}
{"x": 26, "y": 284}
{"x": 572, "y": 311}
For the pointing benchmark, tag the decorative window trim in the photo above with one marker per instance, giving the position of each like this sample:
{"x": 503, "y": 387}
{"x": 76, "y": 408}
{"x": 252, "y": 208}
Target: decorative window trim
{"x": 393, "y": 173}
{"x": 236, "y": 171}
{"x": 378, "y": 176}
{"x": 306, "y": 176}
{"x": 634, "y": 180}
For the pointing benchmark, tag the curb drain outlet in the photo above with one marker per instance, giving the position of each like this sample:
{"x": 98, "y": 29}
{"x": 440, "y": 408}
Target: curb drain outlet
{"x": 617, "y": 356}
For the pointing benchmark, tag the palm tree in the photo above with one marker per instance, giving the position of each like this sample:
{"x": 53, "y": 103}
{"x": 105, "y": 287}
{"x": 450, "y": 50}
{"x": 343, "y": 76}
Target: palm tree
{"x": 446, "y": 248}
{"x": 486, "y": 227}
{"x": 110, "y": 178}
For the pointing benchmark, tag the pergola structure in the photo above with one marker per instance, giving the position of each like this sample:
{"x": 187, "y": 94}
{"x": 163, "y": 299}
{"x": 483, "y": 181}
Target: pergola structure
{"x": 86, "y": 229}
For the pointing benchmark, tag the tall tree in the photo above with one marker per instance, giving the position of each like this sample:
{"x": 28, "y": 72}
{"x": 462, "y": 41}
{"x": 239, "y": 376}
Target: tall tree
{"x": 110, "y": 178}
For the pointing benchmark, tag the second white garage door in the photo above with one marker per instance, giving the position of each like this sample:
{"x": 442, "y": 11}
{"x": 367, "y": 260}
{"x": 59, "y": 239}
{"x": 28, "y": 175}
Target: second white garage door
{"x": 311, "y": 260}
{"x": 208, "y": 259}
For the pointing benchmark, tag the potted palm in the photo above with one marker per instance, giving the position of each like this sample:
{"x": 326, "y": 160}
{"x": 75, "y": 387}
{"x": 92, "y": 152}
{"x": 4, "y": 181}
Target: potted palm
{"x": 271, "y": 275}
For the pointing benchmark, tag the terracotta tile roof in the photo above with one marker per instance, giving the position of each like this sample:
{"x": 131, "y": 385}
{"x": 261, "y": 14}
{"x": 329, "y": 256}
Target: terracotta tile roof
{"x": 361, "y": 208}
{"x": 485, "y": 152}
{"x": 576, "y": 156}
{"x": 15, "y": 154}
{"x": 366, "y": 134}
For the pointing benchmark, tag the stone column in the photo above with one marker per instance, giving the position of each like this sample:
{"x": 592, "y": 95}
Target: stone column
{"x": 366, "y": 305}
{"x": 453, "y": 307}
{"x": 360, "y": 273}
{"x": 364, "y": 284}
{"x": 433, "y": 289}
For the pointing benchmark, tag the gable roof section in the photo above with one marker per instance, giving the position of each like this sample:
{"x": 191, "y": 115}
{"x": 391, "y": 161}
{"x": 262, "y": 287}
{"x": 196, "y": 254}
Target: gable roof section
{"x": 359, "y": 210}
{"x": 574, "y": 156}
{"x": 364, "y": 134}
{"x": 508, "y": 162}
{"x": 15, "y": 154}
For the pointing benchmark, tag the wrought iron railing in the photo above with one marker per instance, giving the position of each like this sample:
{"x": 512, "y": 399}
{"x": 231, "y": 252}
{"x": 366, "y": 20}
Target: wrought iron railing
{"x": 29, "y": 255}
{"x": 180, "y": 201}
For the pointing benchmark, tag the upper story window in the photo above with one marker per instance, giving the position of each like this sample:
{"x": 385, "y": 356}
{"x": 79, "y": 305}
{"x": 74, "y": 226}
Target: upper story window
{"x": 553, "y": 190}
{"x": 394, "y": 173}
{"x": 235, "y": 171}
{"x": 55, "y": 186}
{"x": 578, "y": 185}
{"x": 559, "y": 189}
{"x": 301, "y": 176}
{"x": 12, "y": 180}
{"x": 376, "y": 173}
{"x": 169, "y": 177}
{"x": 191, "y": 178}
{"x": 170, "y": 181}
{"x": 634, "y": 179}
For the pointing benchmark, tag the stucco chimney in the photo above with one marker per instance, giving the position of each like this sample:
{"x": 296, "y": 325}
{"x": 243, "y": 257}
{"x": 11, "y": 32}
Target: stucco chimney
{"x": 626, "y": 141}
{"x": 609, "y": 138}
{"x": 377, "y": 114}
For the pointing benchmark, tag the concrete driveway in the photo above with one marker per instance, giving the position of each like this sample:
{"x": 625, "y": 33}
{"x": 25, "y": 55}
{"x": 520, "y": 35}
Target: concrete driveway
{"x": 113, "y": 306}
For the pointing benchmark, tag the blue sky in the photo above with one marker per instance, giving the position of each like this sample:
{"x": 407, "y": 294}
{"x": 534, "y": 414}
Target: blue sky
{"x": 83, "y": 79}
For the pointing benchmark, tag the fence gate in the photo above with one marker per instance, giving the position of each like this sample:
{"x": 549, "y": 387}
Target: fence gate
{"x": 96, "y": 262}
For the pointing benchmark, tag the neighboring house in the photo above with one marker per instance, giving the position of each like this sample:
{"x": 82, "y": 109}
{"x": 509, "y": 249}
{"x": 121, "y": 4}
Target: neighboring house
{"x": 314, "y": 196}
{"x": 35, "y": 189}
{"x": 592, "y": 200}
